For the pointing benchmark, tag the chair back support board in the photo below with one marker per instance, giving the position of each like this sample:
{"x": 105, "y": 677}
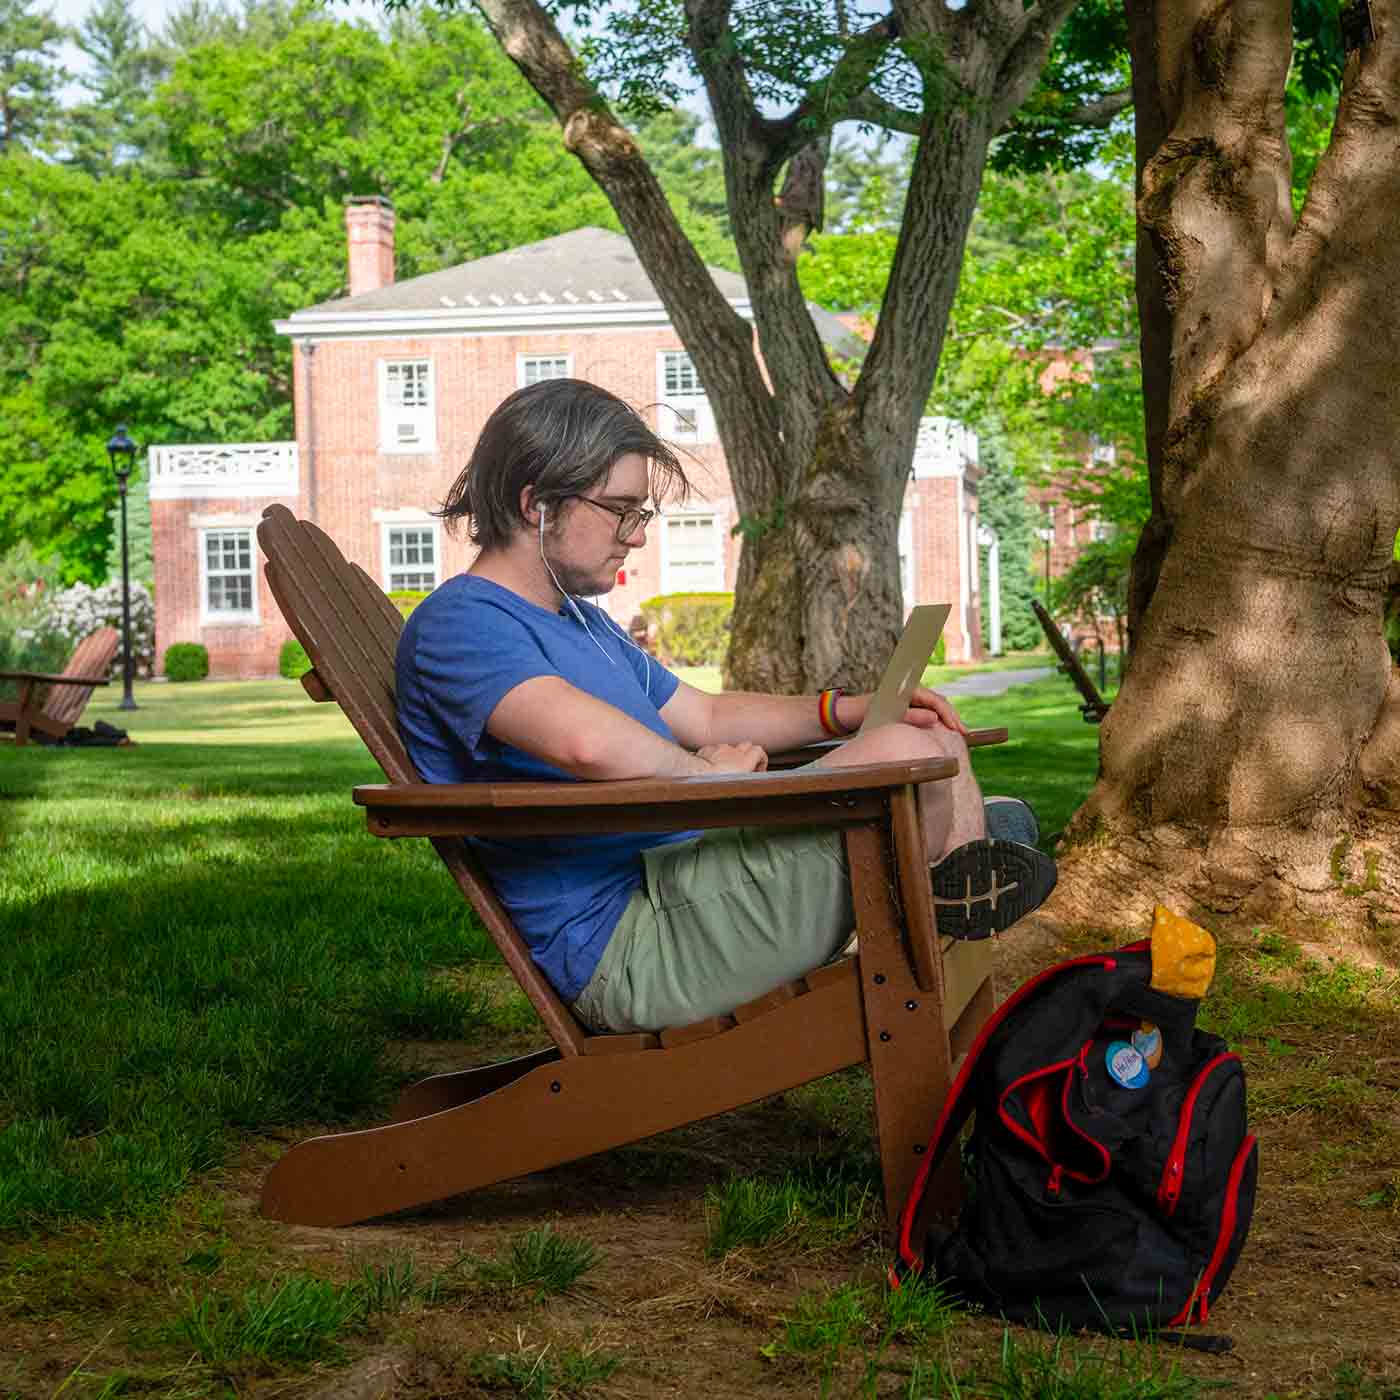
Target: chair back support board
{"x": 350, "y": 631}
{"x": 93, "y": 656}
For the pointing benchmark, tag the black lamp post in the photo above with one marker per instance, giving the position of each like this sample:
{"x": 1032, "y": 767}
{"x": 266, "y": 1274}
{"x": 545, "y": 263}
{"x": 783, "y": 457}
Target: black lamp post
{"x": 122, "y": 452}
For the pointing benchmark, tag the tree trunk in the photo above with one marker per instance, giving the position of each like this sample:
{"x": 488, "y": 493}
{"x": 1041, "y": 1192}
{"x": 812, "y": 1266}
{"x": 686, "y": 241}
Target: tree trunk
{"x": 818, "y": 468}
{"x": 1248, "y": 762}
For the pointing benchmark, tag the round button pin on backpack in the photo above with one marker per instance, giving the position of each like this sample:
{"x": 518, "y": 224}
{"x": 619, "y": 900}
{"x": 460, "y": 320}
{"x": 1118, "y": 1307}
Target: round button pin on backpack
{"x": 1126, "y": 1066}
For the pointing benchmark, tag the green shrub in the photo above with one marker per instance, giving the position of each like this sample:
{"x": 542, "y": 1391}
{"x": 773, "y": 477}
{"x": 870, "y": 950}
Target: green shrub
{"x": 186, "y": 661}
{"x": 406, "y": 599}
{"x": 692, "y": 629}
{"x": 292, "y": 660}
{"x": 940, "y": 652}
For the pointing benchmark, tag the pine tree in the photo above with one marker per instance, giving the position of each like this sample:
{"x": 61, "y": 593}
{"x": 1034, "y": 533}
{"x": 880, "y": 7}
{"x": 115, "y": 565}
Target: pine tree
{"x": 113, "y": 126}
{"x": 31, "y": 75}
{"x": 1002, "y": 506}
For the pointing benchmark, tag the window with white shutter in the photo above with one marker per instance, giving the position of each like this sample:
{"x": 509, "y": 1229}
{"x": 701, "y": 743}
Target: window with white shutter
{"x": 228, "y": 591}
{"x": 685, "y": 414}
{"x": 406, "y": 414}
{"x": 533, "y": 369}
{"x": 692, "y": 554}
{"x": 411, "y": 558}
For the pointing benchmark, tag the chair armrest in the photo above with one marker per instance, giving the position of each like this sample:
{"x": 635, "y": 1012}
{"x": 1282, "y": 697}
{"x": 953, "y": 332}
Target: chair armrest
{"x": 42, "y": 679}
{"x": 809, "y": 753}
{"x": 812, "y": 797}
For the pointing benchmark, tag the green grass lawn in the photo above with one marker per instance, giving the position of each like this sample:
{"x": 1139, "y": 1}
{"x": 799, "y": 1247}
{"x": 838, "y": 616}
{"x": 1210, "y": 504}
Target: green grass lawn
{"x": 202, "y": 945}
{"x": 202, "y": 941}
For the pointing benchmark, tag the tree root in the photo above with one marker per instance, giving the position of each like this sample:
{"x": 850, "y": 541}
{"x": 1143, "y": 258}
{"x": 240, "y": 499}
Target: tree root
{"x": 1347, "y": 876}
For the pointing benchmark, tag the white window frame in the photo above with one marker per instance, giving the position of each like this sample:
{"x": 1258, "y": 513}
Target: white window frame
{"x": 395, "y": 418}
{"x": 694, "y": 404}
{"x": 668, "y": 583}
{"x": 386, "y": 529}
{"x": 522, "y": 362}
{"x": 1102, "y": 453}
{"x": 207, "y": 617}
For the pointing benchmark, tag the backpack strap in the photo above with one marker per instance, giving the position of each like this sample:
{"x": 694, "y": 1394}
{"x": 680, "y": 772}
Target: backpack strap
{"x": 958, "y": 1106}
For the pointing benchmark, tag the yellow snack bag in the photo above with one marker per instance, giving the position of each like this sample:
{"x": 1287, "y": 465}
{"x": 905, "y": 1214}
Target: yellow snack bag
{"x": 1183, "y": 955}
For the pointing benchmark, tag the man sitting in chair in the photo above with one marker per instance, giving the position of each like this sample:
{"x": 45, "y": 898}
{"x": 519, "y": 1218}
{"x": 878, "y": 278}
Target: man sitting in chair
{"x": 506, "y": 674}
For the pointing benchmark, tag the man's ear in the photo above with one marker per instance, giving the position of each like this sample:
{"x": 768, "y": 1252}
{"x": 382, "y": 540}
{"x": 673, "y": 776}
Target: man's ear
{"x": 529, "y": 511}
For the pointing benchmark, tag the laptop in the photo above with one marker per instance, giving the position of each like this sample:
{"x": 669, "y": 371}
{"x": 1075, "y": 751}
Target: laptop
{"x": 912, "y": 653}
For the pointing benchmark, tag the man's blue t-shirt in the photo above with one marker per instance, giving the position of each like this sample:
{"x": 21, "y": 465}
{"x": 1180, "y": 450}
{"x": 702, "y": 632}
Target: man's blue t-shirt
{"x": 463, "y": 649}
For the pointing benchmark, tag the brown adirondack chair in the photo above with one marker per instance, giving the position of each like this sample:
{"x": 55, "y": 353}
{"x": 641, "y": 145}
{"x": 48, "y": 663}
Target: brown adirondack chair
{"x": 1094, "y": 706}
{"x": 907, "y": 1005}
{"x": 65, "y": 696}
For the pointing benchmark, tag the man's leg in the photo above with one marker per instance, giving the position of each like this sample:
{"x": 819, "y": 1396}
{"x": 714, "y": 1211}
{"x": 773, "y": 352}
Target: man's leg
{"x": 952, "y": 810}
{"x": 719, "y": 921}
{"x": 980, "y": 886}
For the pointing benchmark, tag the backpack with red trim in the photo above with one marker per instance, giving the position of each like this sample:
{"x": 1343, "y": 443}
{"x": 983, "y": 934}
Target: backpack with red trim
{"x": 1111, "y": 1174}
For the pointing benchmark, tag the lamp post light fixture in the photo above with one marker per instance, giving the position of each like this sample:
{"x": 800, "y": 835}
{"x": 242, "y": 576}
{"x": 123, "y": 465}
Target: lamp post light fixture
{"x": 122, "y": 453}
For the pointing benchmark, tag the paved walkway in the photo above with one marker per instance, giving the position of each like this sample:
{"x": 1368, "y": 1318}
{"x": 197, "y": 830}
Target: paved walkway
{"x": 994, "y": 682}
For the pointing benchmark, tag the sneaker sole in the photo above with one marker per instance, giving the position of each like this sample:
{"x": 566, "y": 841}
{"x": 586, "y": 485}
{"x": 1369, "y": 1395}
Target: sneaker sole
{"x": 985, "y": 887}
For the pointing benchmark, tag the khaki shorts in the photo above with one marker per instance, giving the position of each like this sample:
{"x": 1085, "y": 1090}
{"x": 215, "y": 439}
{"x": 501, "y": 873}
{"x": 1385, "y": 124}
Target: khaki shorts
{"x": 719, "y": 920}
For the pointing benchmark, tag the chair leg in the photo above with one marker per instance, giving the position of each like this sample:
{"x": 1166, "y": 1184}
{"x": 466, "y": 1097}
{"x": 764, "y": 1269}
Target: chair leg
{"x": 908, "y": 1041}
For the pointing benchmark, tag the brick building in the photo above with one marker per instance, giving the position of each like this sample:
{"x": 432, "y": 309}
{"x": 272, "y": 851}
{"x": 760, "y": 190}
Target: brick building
{"x": 391, "y": 387}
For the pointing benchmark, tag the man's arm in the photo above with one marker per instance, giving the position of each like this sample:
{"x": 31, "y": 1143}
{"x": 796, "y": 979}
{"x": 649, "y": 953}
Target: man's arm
{"x": 777, "y": 723}
{"x": 585, "y": 736}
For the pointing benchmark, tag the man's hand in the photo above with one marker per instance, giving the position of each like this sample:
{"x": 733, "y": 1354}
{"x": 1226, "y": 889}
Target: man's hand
{"x": 734, "y": 758}
{"x": 927, "y": 708}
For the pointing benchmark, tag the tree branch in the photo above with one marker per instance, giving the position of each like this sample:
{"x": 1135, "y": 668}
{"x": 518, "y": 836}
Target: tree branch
{"x": 871, "y": 107}
{"x": 828, "y": 100}
{"x": 1025, "y": 58}
{"x": 452, "y": 139}
{"x": 792, "y": 350}
{"x": 1101, "y": 111}
{"x": 719, "y": 340}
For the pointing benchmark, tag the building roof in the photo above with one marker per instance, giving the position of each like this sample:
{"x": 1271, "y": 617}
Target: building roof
{"x": 570, "y": 277}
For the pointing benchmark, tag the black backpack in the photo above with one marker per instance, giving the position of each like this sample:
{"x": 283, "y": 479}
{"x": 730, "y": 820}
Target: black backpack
{"x": 1096, "y": 1198}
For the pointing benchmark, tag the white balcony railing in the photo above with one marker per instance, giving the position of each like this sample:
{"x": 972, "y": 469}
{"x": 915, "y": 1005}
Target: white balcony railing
{"x": 223, "y": 470}
{"x": 943, "y": 448}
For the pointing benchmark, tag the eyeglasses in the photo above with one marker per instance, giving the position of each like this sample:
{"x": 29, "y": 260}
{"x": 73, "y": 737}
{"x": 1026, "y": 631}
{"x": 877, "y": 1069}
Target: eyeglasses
{"x": 630, "y": 519}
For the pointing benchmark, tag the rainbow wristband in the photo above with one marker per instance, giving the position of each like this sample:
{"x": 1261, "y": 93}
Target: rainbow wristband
{"x": 826, "y": 713}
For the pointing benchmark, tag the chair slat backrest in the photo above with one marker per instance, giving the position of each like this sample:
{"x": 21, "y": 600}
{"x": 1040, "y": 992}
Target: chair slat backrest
{"x": 91, "y": 657}
{"x": 350, "y": 630}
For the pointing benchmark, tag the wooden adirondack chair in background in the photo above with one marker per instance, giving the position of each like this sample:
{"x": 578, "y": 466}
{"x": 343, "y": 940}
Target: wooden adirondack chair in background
{"x": 1094, "y": 706}
{"x": 906, "y": 1006}
{"x": 65, "y": 695}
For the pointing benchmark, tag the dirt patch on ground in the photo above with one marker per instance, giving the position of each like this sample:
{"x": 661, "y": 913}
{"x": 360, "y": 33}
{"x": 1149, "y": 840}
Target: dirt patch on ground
{"x": 1314, "y": 1307}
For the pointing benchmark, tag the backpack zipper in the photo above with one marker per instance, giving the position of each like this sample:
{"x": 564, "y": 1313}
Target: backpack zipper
{"x": 1169, "y": 1189}
{"x": 1199, "y": 1301}
{"x": 1058, "y": 1170}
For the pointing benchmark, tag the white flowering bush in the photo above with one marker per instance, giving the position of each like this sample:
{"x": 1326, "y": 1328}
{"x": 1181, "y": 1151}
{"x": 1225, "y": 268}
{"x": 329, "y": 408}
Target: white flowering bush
{"x": 71, "y": 615}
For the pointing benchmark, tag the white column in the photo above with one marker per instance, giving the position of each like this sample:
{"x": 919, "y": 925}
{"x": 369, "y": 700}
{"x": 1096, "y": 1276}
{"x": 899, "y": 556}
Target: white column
{"x": 987, "y": 538}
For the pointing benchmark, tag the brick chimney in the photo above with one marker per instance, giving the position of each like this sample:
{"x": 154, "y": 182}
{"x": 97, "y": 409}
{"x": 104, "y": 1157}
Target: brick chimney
{"x": 369, "y": 228}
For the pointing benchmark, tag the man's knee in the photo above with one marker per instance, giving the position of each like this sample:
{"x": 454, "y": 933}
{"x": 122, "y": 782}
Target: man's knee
{"x": 903, "y": 743}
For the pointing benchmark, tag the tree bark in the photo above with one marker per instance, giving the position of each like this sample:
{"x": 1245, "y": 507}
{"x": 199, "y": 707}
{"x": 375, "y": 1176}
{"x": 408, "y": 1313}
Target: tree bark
{"x": 818, "y": 468}
{"x": 1249, "y": 759}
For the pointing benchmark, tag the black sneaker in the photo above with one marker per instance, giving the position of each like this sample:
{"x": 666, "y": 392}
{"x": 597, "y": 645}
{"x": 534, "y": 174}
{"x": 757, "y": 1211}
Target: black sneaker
{"x": 986, "y": 886}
